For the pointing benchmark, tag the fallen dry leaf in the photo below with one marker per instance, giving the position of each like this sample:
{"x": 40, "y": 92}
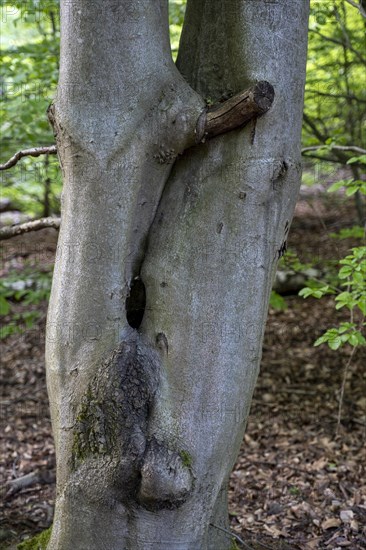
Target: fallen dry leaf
{"x": 330, "y": 523}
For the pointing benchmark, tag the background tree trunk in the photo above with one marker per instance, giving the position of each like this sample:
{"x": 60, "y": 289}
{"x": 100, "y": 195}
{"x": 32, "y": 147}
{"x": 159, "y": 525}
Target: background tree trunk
{"x": 148, "y": 422}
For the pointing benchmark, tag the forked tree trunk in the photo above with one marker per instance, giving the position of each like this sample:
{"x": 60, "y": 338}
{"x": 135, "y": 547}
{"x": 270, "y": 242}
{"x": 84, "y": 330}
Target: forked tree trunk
{"x": 148, "y": 413}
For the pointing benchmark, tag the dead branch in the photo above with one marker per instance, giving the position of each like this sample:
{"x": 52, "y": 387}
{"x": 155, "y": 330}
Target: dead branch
{"x": 35, "y": 152}
{"x": 35, "y": 225}
{"x": 235, "y": 112}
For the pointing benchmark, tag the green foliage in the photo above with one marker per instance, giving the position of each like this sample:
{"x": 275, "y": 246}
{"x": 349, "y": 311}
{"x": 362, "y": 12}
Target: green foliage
{"x": 338, "y": 336}
{"x": 335, "y": 94}
{"x": 355, "y": 232}
{"x": 28, "y": 78}
{"x": 176, "y": 17}
{"x": 361, "y": 159}
{"x": 277, "y": 301}
{"x": 28, "y": 182}
{"x": 351, "y": 185}
{"x": 31, "y": 288}
{"x": 352, "y": 277}
{"x": 316, "y": 290}
{"x": 290, "y": 261}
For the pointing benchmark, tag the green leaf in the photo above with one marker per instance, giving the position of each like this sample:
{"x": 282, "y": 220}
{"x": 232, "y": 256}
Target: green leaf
{"x": 277, "y": 301}
{"x": 355, "y": 232}
{"x": 335, "y": 344}
{"x": 4, "y": 306}
{"x": 361, "y": 304}
{"x": 359, "y": 278}
{"x": 344, "y": 297}
{"x": 320, "y": 341}
{"x": 351, "y": 190}
{"x": 305, "y": 292}
{"x": 353, "y": 340}
{"x": 360, "y": 159}
{"x": 361, "y": 338}
{"x": 336, "y": 186}
{"x": 344, "y": 327}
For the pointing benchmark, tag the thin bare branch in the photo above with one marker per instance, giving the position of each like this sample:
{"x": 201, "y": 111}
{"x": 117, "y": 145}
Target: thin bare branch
{"x": 340, "y": 156}
{"x": 340, "y": 43}
{"x": 35, "y": 152}
{"x": 321, "y": 137}
{"x": 325, "y": 158}
{"x": 337, "y": 96}
{"x": 358, "y": 6}
{"x": 352, "y": 148}
{"x": 341, "y": 397}
{"x": 35, "y": 225}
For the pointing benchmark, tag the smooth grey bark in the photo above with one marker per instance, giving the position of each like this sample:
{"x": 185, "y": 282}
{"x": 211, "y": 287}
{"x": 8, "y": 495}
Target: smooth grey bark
{"x": 148, "y": 422}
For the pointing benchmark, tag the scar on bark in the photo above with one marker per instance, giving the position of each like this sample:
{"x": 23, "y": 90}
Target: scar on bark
{"x": 235, "y": 112}
{"x": 112, "y": 420}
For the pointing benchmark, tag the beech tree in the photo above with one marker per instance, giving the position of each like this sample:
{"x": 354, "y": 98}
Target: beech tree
{"x": 180, "y": 182}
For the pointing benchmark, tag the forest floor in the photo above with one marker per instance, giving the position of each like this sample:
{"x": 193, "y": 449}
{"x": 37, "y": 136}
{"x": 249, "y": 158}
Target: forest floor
{"x": 297, "y": 484}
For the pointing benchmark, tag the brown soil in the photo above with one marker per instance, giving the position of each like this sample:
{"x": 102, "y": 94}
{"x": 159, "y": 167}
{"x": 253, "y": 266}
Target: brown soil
{"x": 296, "y": 484}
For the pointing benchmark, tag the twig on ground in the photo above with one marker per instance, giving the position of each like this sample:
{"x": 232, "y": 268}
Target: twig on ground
{"x": 297, "y": 392}
{"x": 233, "y": 535}
{"x": 280, "y": 466}
{"x": 20, "y": 483}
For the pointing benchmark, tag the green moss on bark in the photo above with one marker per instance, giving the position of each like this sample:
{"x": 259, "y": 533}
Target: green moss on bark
{"x": 90, "y": 435}
{"x": 39, "y": 542}
{"x": 186, "y": 458}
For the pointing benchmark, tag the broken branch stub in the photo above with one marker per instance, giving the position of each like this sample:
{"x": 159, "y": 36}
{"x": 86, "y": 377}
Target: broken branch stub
{"x": 236, "y": 111}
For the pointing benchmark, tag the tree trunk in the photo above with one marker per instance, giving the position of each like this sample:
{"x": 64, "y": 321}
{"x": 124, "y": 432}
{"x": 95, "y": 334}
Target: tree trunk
{"x": 166, "y": 256}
